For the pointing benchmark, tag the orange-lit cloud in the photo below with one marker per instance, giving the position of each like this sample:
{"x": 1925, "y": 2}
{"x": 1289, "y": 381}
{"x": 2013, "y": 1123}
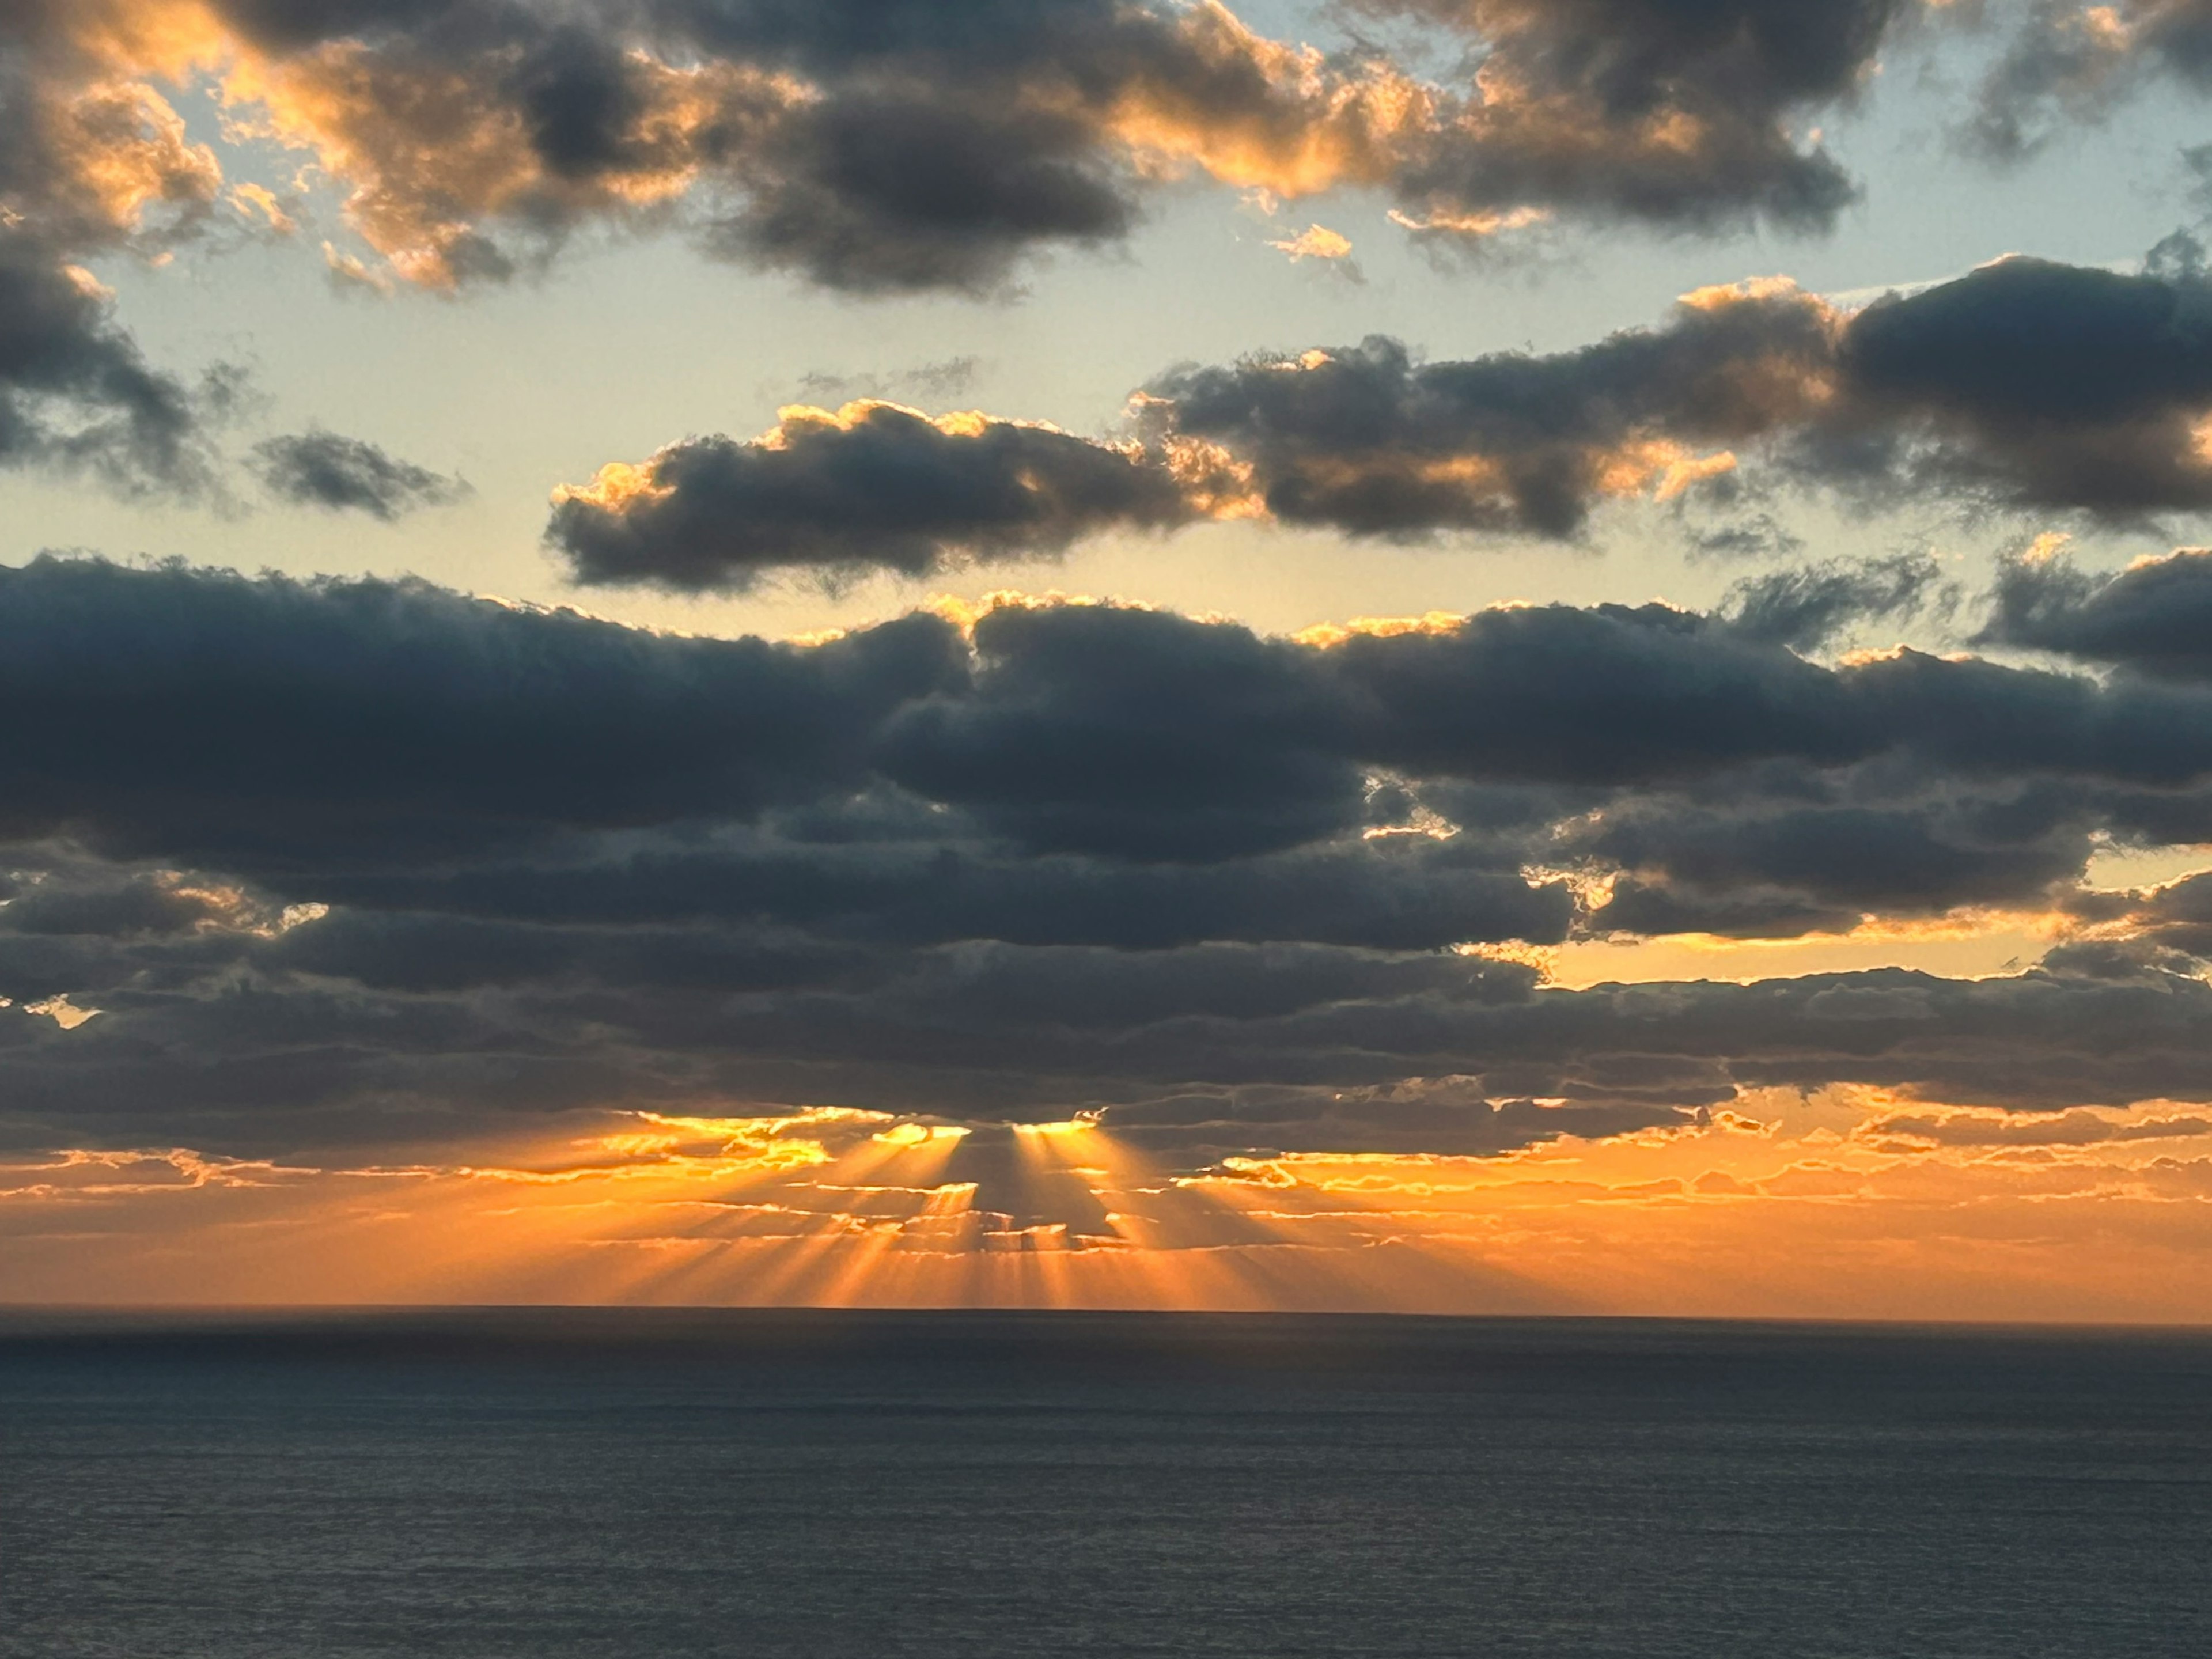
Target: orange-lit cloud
{"x": 462, "y": 142}
{"x": 1264, "y": 115}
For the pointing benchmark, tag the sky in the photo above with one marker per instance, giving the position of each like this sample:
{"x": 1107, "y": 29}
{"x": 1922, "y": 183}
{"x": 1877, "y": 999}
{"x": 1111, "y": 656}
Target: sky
{"x": 1442, "y": 655}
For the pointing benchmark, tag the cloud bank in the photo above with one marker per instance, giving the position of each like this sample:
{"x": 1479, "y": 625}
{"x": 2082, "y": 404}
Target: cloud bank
{"x": 298, "y": 865}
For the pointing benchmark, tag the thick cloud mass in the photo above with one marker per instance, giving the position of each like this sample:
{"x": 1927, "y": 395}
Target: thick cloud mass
{"x": 346, "y": 862}
{"x": 169, "y": 709}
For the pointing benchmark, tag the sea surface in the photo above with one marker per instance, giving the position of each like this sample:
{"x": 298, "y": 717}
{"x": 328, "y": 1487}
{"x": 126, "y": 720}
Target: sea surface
{"x": 673, "y": 1483}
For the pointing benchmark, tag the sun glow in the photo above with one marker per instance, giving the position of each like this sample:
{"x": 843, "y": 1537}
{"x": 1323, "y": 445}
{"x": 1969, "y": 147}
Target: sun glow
{"x": 1849, "y": 1202}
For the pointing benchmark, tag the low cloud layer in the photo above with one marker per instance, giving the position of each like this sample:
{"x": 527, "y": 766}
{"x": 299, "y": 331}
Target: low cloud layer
{"x": 293, "y": 865}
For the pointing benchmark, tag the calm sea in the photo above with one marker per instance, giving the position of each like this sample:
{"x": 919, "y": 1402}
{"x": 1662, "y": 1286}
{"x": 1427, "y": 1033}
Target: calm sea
{"x": 670, "y": 1483}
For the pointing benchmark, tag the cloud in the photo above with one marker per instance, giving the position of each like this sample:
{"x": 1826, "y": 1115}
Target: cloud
{"x": 1780, "y": 868}
{"x": 339, "y": 474}
{"x": 1367, "y": 440}
{"x": 949, "y": 377}
{"x": 1642, "y": 110}
{"x": 886, "y": 148}
{"x": 93, "y": 162}
{"x": 1806, "y": 606}
{"x": 918, "y": 149}
{"x": 75, "y": 392}
{"x": 2025, "y": 385}
{"x": 873, "y": 484}
{"x": 909, "y": 192}
{"x": 1318, "y": 242}
{"x": 347, "y": 863}
{"x": 2152, "y": 618}
{"x": 2161, "y": 926}
{"x": 232, "y": 712}
{"x": 2070, "y": 62}
{"x": 2079, "y": 1128}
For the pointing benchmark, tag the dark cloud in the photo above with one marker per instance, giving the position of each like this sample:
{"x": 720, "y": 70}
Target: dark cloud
{"x": 2083, "y": 1128}
{"x": 1365, "y": 440}
{"x": 1082, "y": 733}
{"x": 2024, "y": 386}
{"x": 91, "y": 165}
{"x": 2155, "y": 617}
{"x": 1807, "y": 606}
{"x": 348, "y": 862}
{"x": 1369, "y": 440}
{"x": 910, "y": 193}
{"x": 170, "y": 709}
{"x": 895, "y": 145}
{"x": 2045, "y": 385}
{"x": 1057, "y": 728}
{"x": 873, "y": 485}
{"x": 870, "y": 148}
{"x": 1789, "y": 870}
{"x": 2157, "y": 925}
{"x": 75, "y": 392}
{"x": 339, "y": 474}
{"x": 1226, "y": 1050}
{"x": 2067, "y": 63}
{"x": 948, "y": 884}
{"x": 1198, "y": 1128}
{"x": 1651, "y": 110}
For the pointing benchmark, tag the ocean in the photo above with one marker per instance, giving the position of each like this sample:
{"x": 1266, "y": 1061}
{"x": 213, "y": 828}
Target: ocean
{"x": 478, "y": 1484}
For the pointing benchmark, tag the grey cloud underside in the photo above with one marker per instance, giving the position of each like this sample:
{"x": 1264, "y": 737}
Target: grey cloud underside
{"x": 350, "y": 862}
{"x": 1807, "y": 606}
{"x": 339, "y": 474}
{"x": 1736, "y": 74}
{"x": 243, "y": 1056}
{"x": 75, "y": 392}
{"x": 2153, "y": 619}
{"x": 940, "y": 145}
{"x": 885, "y": 489}
{"x": 2026, "y": 386}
